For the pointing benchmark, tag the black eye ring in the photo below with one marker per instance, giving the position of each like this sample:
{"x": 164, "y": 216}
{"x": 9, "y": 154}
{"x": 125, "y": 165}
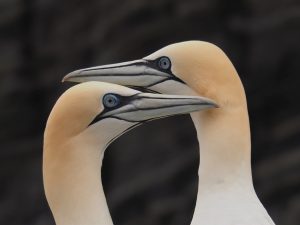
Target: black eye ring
{"x": 164, "y": 63}
{"x": 110, "y": 100}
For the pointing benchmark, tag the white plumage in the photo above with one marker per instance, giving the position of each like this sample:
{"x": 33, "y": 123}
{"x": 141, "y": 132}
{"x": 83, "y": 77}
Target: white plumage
{"x": 225, "y": 194}
{"x": 83, "y": 122}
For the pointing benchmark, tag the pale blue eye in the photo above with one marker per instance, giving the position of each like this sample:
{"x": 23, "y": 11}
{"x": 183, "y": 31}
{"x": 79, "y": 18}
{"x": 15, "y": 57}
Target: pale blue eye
{"x": 110, "y": 100}
{"x": 164, "y": 63}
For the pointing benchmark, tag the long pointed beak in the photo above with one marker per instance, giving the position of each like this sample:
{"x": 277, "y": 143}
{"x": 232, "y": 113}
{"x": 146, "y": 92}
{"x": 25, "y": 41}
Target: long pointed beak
{"x": 147, "y": 106}
{"x": 140, "y": 73}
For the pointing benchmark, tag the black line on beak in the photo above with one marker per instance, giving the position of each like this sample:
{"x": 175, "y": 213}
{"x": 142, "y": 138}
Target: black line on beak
{"x": 143, "y": 89}
{"x": 113, "y": 67}
{"x": 153, "y": 64}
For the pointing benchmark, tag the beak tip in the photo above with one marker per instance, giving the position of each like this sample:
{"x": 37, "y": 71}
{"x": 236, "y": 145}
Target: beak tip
{"x": 64, "y": 79}
{"x": 215, "y": 105}
{"x": 70, "y": 76}
{"x": 67, "y": 77}
{"x": 210, "y": 104}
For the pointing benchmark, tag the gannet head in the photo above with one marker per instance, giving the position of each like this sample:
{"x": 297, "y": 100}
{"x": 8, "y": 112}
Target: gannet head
{"x": 181, "y": 68}
{"x": 103, "y": 111}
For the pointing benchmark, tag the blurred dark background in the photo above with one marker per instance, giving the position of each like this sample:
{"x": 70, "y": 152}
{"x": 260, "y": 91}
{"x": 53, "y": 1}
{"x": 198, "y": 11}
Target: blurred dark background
{"x": 150, "y": 174}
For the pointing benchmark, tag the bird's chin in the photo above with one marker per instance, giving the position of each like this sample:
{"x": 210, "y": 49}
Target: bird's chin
{"x": 172, "y": 87}
{"x": 123, "y": 132}
{"x": 105, "y": 131}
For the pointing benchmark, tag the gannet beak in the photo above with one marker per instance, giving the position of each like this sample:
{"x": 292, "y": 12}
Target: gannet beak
{"x": 143, "y": 107}
{"x": 140, "y": 73}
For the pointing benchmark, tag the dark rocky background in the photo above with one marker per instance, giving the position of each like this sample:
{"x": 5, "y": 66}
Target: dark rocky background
{"x": 149, "y": 173}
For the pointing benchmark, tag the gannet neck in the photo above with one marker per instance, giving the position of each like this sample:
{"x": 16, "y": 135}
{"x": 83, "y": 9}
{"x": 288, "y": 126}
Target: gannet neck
{"x": 225, "y": 145}
{"x": 225, "y": 193}
{"x": 84, "y": 120}
{"x": 73, "y": 186}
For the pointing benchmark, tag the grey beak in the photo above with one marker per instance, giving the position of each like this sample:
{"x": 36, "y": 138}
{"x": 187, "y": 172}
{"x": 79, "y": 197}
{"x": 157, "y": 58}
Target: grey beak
{"x": 140, "y": 73}
{"x": 147, "y": 106}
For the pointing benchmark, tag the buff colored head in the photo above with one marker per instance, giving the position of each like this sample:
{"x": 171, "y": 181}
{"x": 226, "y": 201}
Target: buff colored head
{"x": 192, "y": 67}
{"x": 103, "y": 111}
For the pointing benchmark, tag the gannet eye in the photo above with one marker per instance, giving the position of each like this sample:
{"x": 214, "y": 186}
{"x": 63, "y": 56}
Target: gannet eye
{"x": 164, "y": 63}
{"x": 110, "y": 100}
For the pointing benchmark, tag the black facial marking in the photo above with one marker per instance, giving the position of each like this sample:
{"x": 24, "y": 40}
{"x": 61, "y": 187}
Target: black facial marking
{"x": 163, "y": 64}
{"x": 122, "y": 100}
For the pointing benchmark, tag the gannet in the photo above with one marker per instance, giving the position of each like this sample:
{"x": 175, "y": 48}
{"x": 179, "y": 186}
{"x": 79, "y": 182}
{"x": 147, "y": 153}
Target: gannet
{"x": 226, "y": 195}
{"x": 83, "y": 122}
